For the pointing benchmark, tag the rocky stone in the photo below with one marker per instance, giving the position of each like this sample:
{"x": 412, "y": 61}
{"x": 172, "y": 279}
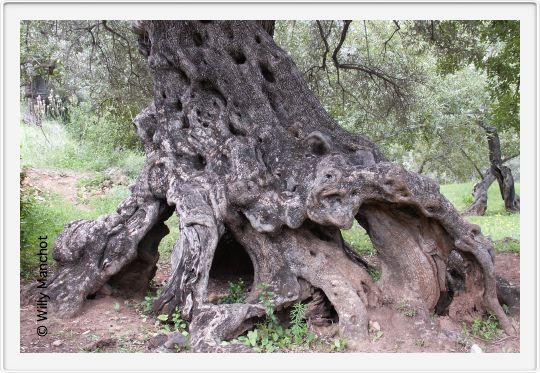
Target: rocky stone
{"x": 100, "y": 344}
{"x": 475, "y": 349}
{"x": 176, "y": 341}
{"x": 374, "y": 325}
{"x": 157, "y": 341}
{"x": 57, "y": 343}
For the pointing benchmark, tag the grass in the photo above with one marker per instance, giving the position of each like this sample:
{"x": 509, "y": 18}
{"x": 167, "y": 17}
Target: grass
{"x": 496, "y": 223}
{"x": 55, "y": 148}
{"x": 48, "y": 213}
{"x": 166, "y": 245}
{"x": 358, "y": 238}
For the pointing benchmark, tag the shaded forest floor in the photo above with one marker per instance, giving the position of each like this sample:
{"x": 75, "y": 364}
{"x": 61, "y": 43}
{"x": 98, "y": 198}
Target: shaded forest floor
{"x": 113, "y": 324}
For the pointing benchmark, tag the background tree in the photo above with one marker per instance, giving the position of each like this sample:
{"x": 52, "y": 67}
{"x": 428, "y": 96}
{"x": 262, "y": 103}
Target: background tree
{"x": 98, "y": 73}
{"x": 493, "y": 47}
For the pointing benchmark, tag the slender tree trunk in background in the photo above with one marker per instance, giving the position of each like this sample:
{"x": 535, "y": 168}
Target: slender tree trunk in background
{"x": 497, "y": 171}
{"x": 246, "y": 156}
{"x": 480, "y": 195}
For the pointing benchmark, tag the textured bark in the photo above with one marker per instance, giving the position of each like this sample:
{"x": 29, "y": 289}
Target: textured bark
{"x": 238, "y": 146}
{"x": 497, "y": 171}
{"x": 480, "y": 195}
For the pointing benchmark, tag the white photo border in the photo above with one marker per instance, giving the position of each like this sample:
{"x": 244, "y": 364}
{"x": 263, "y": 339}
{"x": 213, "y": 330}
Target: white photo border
{"x": 15, "y": 11}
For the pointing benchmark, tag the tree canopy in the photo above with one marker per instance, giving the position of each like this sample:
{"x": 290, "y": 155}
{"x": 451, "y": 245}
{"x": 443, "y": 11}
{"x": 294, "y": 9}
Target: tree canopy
{"x": 417, "y": 88}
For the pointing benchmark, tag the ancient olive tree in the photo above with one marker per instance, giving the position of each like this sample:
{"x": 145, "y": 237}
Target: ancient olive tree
{"x": 239, "y": 148}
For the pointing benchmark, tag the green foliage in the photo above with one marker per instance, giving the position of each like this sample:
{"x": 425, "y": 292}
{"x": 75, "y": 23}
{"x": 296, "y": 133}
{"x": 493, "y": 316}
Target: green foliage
{"x": 339, "y": 344}
{"x": 91, "y": 181}
{"x": 360, "y": 101}
{"x": 487, "y": 328}
{"x": 430, "y": 123}
{"x": 58, "y": 149}
{"x": 237, "y": 293}
{"x": 175, "y": 320}
{"x": 266, "y": 296}
{"x": 166, "y": 246}
{"x": 104, "y": 132}
{"x": 491, "y": 46}
{"x": 375, "y": 274}
{"x": 148, "y": 301}
{"x": 507, "y": 246}
{"x": 270, "y": 336}
{"x": 298, "y": 326}
{"x": 94, "y": 60}
{"x": 467, "y": 199}
{"x": 378, "y": 335}
{"x": 163, "y": 317}
{"x": 358, "y": 238}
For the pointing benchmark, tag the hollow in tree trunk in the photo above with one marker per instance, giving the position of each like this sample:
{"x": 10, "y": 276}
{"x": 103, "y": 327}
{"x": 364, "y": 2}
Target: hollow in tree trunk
{"x": 238, "y": 147}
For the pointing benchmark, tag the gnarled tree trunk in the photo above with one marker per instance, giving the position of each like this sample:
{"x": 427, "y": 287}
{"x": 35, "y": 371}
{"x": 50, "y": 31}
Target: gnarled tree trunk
{"x": 497, "y": 171}
{"x": 239, "y": 147}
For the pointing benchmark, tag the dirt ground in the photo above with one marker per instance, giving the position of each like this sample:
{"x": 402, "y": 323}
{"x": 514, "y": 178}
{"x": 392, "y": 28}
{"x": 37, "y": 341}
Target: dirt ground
{"x": 63, "y": 182}
{"x": 114, "y": 324}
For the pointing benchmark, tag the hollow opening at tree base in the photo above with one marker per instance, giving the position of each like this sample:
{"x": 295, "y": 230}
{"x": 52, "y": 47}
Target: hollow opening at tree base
{"x": 231, "y": 268}
{"x": 320, "y": 314}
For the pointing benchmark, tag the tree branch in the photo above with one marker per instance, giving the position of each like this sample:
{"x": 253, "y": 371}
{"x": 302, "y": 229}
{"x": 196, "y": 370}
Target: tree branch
{"x": 358, "y": 67}
{"x": 391, "y": 36}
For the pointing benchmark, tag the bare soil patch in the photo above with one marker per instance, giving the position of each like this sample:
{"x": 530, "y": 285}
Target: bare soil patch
{"x": 63, "y": 182}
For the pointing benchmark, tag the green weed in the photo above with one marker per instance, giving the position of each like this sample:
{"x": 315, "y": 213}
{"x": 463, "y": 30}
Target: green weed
{"x": 91, "y": 181}
{"x": 487, "y": 329}
{"x": 270, "y": 336}
{"x": 175, "y": 320}
{"x": 339, "y": 345}
{"x": 52, "y": 146}
{"x": 166, "y": 246}
{"x": 375, "y": 274}
{"x": 237, "y": 293}
{"x": 507, "y": 245}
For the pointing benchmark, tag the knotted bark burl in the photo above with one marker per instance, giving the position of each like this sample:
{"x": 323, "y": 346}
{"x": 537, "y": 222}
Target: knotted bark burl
{"x": 237, "y": 145}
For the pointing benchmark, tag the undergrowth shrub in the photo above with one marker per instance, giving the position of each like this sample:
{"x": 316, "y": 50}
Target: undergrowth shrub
{"x": 52, "y": 146}
{"x": 103, "y": 131}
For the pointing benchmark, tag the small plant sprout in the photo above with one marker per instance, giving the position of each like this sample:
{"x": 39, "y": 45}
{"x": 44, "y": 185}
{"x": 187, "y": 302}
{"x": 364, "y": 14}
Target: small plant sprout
{"x": 237, "y": 293}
